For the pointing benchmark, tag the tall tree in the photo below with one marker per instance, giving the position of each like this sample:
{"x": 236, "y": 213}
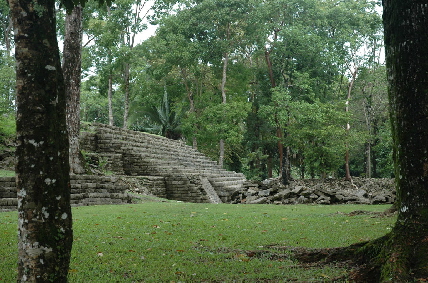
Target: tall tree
{"x": 43, "y": 184}
{"x": 134, "y": 26}
{"x": 406, "y": 39}
{"x": 72, "y": 57}
{"x": 402, "y": 254}
{"x": 6, "y": 26}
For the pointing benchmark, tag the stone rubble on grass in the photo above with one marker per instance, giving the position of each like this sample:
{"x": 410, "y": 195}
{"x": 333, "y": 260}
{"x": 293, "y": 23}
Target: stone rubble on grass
{"x": 329, "y": 191}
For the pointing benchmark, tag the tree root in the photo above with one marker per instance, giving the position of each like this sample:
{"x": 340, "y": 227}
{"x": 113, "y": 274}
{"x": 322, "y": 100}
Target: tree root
{"x": 386, "y": 259}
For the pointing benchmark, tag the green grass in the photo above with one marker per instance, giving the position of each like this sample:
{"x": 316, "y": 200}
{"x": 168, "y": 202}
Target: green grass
{"x": 6, "y": 173}
{"x": 185, "y": 242}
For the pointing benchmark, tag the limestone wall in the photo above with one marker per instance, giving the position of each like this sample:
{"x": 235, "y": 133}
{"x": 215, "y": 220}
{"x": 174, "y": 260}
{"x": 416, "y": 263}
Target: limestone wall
{"x": 85, "y": 190}
{"x": 144, "y": 164}
{"x": 131, "y": 153}
{"x": 98, "y": 190}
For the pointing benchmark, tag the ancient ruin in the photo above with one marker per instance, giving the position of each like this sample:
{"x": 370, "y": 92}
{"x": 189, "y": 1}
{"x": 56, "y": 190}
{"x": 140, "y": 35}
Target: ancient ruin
{"x": 128, "y": 163}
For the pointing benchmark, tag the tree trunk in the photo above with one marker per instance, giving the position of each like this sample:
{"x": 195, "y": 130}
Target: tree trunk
{"x": 286, "y": 167}
{"x": 126, "y": 102}
{"x": 406, "y": 41}
{"x": 368, "y": 160}
{"x": 42, "y": 169}
{"x": 72, "y": 73}
{"x": 348, "y": 126}
{"x": 270, "y": 69}
{"x": 402, "y": 255}
{"x": 224, "y": 101}
{"x": 270, "y": 167}
{"x": 221, "y": 156}
{"x": 283, "y": 159}
{"x": 110, "y": 99}
{"x": 191, "y": 104}
{"x": 7, "y": 35}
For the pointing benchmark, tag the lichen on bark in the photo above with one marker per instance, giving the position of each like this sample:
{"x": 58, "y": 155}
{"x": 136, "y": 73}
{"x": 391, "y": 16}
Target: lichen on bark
{"x": 42, "y": 169}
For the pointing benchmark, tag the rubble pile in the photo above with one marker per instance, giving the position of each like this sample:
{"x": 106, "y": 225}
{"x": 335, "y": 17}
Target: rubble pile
{"x": 317, "y": 191}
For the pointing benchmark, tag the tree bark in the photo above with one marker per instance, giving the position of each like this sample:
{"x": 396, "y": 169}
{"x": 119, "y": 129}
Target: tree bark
{"x": 406, "y": 40}
{"x": 72, "y": 72}
{"x": 42, "y": 169}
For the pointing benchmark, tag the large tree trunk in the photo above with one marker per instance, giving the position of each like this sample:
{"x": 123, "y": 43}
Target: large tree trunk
{"x": 43, "y": 182}
{"x": 402, "y": 254}
{"x": 72, "y": 72}
{"x": 406, "y": 41}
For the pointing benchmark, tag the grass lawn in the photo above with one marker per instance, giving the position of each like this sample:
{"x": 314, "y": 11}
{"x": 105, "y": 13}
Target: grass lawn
{"x": 187, "y": 242}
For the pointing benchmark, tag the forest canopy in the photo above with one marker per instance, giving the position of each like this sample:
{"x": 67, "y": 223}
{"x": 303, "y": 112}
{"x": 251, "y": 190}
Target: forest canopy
{"x": 267, "y": 87}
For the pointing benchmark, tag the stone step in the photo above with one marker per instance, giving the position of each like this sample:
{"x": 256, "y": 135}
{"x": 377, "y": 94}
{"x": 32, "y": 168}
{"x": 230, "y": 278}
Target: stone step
{"x": 225, "y": 178}
{"x": 9, "y": 202}
{"x": 161, "y": 155}
{"x": 152, "y": 155}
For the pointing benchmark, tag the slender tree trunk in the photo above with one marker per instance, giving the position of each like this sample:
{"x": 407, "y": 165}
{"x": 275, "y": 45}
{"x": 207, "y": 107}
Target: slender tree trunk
{"x": 110, "y": 81}
{"x": 7, "y": 35}
{"x": 286, "y": 167}
{"x": 283, "y": 159}
{"x": 191, "y": 103}
{"x": 43, "y": 182}
{"x": 348, "y": 126}
{"x": 270, "y": 69}
{"x": 72, "y": 73}
{"x": 368, "y": 160}
{"x": 224, "y": 101}
{"x": 110, "y": 99}
{"x": 126, "y": 102}
{"x": 280, "y": 146}
{"x": 269, "y": 167}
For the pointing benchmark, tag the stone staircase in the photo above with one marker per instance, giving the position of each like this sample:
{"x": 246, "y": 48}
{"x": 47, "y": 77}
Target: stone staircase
{"x": 189, "y": 175}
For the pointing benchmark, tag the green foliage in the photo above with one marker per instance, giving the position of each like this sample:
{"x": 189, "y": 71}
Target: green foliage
{"x": 218, "y": 121}
{"x": 170, "y": 241}
{"x": 7, "y": 129}
{"x": 383, "y": 149}
{"x": 161, "y": 119}
{"x": 296, "y": 100}
{"x": 254, "y": 165}
{"x": 7, "y": 83}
